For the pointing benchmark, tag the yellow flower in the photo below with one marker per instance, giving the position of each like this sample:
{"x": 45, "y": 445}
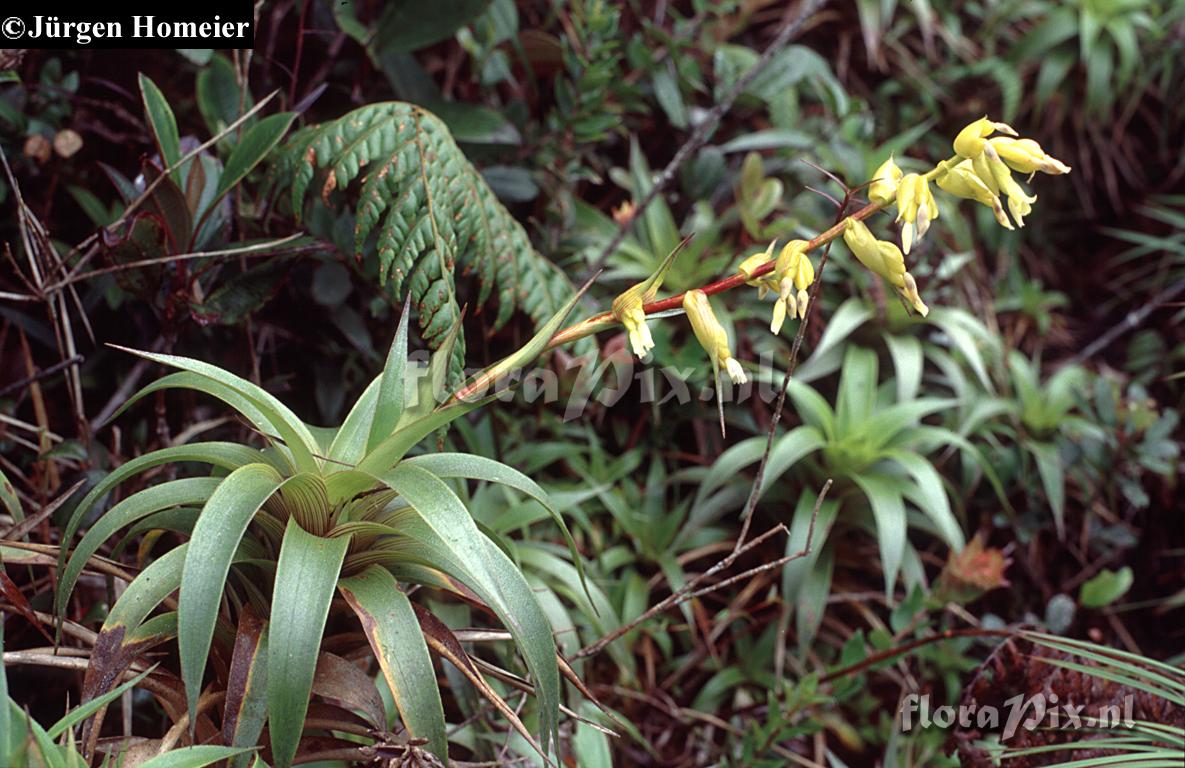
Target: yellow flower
{"x": 1027, "y": 156}
{"x": 883, "y": 188}
{"x": 971, "y": 140}
{"x": 915, "y": 207}
{"x": 628, "y": 308}
{"x": 711, "y": 334}
{"x": 998, "y": 178}
{"x": 793, "y": 271}
{"x": 961, "y": 181}
{"x": 883, "y": 258}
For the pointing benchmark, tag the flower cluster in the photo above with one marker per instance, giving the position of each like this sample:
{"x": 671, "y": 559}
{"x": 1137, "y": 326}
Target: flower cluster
{"x": 793, "y": 274}
{"x": 986, "y": 155}
{"x": 980, "y": 171}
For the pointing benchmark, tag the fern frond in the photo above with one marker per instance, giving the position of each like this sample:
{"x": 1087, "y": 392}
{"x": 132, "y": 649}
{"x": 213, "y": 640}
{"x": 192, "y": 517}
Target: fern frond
{"x": 432, "y": 214}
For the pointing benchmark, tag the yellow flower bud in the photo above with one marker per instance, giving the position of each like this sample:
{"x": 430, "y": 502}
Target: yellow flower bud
{"x": 883, "y": 258}
{"x": 915, "y": 207}
{"x": 1027, "y": 156}
{"x": 711, "y": 334}
{"x": 971, "y": 140}
{"x": 961, "y": 181}
{"x": 883, "y": 188}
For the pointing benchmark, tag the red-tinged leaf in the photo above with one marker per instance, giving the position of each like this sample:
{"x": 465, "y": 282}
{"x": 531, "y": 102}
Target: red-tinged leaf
{"x": 246, "y": 688}
{"x": 342, "y": 682}
{"x": 442, "y": 640}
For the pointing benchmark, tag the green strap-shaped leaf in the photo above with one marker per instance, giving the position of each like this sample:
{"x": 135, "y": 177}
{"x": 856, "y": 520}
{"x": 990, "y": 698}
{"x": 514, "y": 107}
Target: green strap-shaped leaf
{"x": 453, "y": 542}
{"x": 306, "y": 576}
{"x": 83, "y": 711}
{"x": 394, "y": 634}
{"x": 197, "y": 756}
{"x": 349, "y": 444}
{"x": 930, "y": 496}
{"x": 392, "y": 386}
{"x": 52, "y": 755}
{"x": 148, "y": 590}
{"x": 797, "y": 574}
{"x": 223, "y": 455}
{"x": 857, "y": 389}
{"x": 175, "y": 493}
{"x": 888, "y": 509}
{"x": 813, "y": 409}
{"x": 406, "y": 437}
{"x": 296, "y": 436}
{"x": 473, "y": 467}
{"x": 216, "y": 537}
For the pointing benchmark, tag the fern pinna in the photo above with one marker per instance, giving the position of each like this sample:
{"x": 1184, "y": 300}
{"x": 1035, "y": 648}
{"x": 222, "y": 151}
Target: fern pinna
{"x": 433, "y": 214}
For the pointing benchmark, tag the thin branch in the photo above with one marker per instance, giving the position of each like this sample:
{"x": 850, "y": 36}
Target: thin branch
{"x": 237, "y": 251}
{"x": 42, "y": 374}
{"x": 1130, "y": 322}
{"x": 705, "y": 129}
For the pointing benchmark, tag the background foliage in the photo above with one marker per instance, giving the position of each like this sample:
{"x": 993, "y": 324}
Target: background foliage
{"x": 1012, "y": 462}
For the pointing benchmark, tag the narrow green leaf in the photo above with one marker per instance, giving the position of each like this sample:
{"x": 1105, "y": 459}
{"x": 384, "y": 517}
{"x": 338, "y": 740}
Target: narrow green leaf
{"x": 393, "y": 385}
{"x": 148, "y": 590}
{"x": 474, "y": 467}
{"x": 216, "y": 537}
{"x": 163, "y": 124}
{"x": 857, "y": 389}
{"x": 175, "y": 493}
{"x": 394, "y": 634}
{"x": 931, "y": 497}
{"x": 349, "y": 444}
{"x": 197, "y": 756}
{"x": 11, "y": 502}
{"x": 444, "y": 526}
{"x": 1049, "y": 467}
{"x": 306, "y": 576}
{"x": 908, "y": 362}
{"x": 76, "y": 715}
{"x": 296, "y": 436}
{"x": 256, "y": 143}
{"x": 223, "y": 455}
{"x": 888, "y": 509}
